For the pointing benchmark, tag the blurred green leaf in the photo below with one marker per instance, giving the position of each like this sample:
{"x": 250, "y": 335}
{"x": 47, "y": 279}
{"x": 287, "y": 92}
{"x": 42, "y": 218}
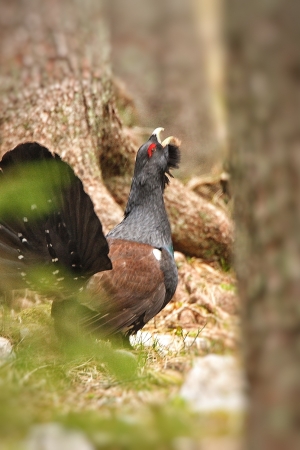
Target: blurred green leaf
{"x": 28, "y": 190}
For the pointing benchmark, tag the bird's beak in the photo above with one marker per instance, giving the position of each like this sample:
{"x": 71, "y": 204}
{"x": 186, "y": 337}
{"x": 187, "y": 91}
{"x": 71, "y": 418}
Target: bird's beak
{"x": 169, "y": 140}
{"x": 157, "y": 132}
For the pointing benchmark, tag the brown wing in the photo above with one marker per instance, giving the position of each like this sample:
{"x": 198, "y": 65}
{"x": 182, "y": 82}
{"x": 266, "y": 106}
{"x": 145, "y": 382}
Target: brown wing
{"x": 129, "y": 295}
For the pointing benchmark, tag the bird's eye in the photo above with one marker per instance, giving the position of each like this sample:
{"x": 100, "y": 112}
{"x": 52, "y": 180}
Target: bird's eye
{"x": 151, "y": 149}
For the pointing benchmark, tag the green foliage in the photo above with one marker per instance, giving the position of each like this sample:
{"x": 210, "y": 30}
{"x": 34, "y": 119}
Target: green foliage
{"x": 46, "y": 382}
{"x": 228, "y": 287}
{"x": 120, "y": 399}
{"x": 26, "y": 189}
{"x": 225, "y": 265}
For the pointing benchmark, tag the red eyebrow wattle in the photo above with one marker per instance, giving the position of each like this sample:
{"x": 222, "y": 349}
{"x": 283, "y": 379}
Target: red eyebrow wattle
{"x": 150, "y": 149}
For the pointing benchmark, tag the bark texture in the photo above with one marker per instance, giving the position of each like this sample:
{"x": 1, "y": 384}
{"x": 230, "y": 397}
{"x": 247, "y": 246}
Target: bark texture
{"x": 54, "y": 79}
{"x": 264, "y": 104}
{"x": 57, "y": 88}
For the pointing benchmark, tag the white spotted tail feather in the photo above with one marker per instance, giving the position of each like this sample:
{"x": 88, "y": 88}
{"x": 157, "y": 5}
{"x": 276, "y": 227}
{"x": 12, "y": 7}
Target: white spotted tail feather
{"x": 63, "y": 237}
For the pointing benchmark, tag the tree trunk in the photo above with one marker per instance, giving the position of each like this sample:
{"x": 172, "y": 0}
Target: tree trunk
{"x": 54, "y": 68}
{"x": 263, "y": 99}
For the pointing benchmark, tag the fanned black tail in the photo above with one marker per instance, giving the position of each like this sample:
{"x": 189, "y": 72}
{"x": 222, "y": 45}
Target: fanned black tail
{"x": 54, "y": 226}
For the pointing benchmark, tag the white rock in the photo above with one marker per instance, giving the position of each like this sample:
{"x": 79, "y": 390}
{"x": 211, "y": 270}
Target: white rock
{"x": 53, "y": 436}
{"x": 215, "y": 383}
{"x": 167, "y": 343}
{"x": 6, "y": 351}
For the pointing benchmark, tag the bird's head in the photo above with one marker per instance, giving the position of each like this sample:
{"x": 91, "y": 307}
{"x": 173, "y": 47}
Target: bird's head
{"x": 156, "y": 157}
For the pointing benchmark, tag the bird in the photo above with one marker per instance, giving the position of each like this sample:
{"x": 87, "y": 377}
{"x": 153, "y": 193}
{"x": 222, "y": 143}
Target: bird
{"x": 109, "y": 285}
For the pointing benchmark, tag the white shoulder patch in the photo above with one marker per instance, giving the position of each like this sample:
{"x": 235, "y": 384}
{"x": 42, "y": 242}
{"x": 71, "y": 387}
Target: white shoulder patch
{"x": 157, "y": 254}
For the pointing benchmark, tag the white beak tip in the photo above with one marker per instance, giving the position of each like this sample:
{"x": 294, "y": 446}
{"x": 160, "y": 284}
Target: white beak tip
{"x": 157, "y": 132}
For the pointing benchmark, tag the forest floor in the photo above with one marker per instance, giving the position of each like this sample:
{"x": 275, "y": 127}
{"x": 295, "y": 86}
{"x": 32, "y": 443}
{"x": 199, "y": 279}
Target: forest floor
{"x": 121, "y": 399}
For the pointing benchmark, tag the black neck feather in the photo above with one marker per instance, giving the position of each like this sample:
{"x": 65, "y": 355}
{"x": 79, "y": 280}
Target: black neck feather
{"x": 145, "y": 218}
